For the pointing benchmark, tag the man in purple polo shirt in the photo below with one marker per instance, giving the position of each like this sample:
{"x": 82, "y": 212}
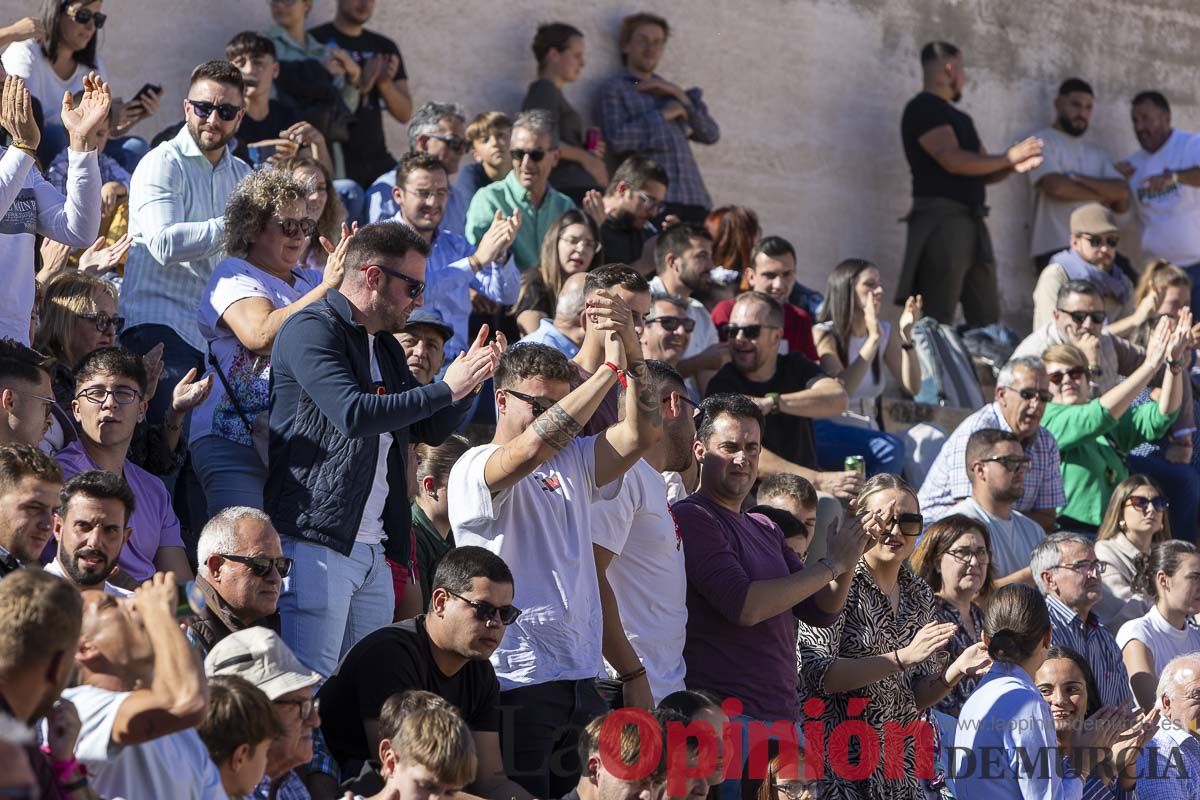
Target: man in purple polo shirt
{"x": 743, "y": 581}
{"x": 110, "y": 399}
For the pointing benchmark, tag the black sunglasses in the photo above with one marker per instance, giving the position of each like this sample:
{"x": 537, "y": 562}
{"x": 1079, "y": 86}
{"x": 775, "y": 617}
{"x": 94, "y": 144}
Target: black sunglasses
{"x": 540, "y": 404}
{"x": 486, "y": 612}
{"x": 295, "y": 228}
{"x": 749, "y": 331}
{"x": 1041, "y": 395}
{"x": 1074, "y": 373}
{"x": 455, "y": 143}
{"x": 260, "y": 566}
{"x": 1079, "y": 317}
{"x": 1010, "y": 463}
{"x": 518, "y": 154}
{"x": 415, "y": 287}
{"x": 83, "y": 16}
{"x": 104, "y": 323}
{"x": 1159, "y": 503}
{"x": 909, "y": 524}
{"x": 1097, "y": 241}
{"x": 673, "y": 323}
{"x": 226, "y": 111}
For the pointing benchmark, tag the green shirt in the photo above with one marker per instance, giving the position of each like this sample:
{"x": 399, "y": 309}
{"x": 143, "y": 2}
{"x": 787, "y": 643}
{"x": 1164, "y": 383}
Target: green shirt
{"x": 1093, "y": 445}
{"x": 431, "y": 548}
{"x": 508, "y": 195}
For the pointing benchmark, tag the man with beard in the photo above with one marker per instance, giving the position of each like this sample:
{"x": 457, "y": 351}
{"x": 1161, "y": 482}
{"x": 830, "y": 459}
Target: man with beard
{"x": 683, "y": 260}
{"x": 1073, "y": 172}
{"x": 424, "y": 341}
{"x": 436, "y": 129}
{"x": 1165, "y": 178}
{"x": 39, "y": 626}
{"x": 997, "y": 464}
{"x": 1022, "y": 392}
{"x": 790, "y": 390}
{"x": 454, "y": 268}
{"x": 92, "y": 526}
{"x": 639, "y": 556}
{"x": 667, "y": 329}
{"x": 338, "y": 493}
{"x": 633, "y": 198}
{"x": 177, "y": 202}
{"x": 948, "y": 256}
{"x": 29, "y": 484}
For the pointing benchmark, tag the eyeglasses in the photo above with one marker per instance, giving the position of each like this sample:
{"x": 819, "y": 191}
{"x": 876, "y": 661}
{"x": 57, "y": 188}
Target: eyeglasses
{"x": 1101, "y": 241}
{"x": 800, "y": 791}
{"x": 1029, "y": 395}
{"x": 540, "y": 404}
{"x": 588, "y": 244}
{"x": 750, "y": 331}
{"x": 1074, "y": 373}
{"x": 415, "y": 287}
{"x": 455, "y": 143}
{"x": 1079, "y": 317}
{"x": 84, "y": 15}
{"x": 674, "y": 323}
{"x": 48, "y": 402}
{"x": 536, "y": 155}
{"x": 99, "y": 395}
{"x": 296, "y": 228}
{"x": 1010, "y": 463}
{"x": 964, "y": 555}
{"x": 425, "y": 194}
{"x": 226, "y": 111}
{"x": 486, "y": 612}
{"x": 1143, "y": 504}
{"x": 104, "y": 322}
{"x": 654, "y": 205}
{"x": 261, "y": 566}
{"x": 1085, "y": 568}
{"x": 308, "y": 706}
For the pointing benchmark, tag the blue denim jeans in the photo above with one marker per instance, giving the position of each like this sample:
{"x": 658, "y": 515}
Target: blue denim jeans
{"x": 230, "y": 474}
{"x": 330, "y": 601}
{"x": 882, "y": 451}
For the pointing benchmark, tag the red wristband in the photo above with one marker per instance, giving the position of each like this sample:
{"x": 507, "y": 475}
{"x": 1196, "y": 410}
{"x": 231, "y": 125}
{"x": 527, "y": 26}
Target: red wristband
{"x": 620, "y": 374}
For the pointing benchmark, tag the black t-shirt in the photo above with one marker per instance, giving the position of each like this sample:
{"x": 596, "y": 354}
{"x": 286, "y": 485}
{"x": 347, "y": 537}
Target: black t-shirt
{"x": 543, "y": 94}
{"x": 923, "y": 113}
{"x": 622, "y": 244}
{"x": 787, "y": 436}
{"x": 394, "y": 659}
{"x": 280, "y": 117}
{"x": 366, "y": 153}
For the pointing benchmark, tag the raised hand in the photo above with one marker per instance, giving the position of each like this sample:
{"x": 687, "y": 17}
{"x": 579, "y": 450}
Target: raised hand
{"x": 593, "y": 206}
{"x": 99, "y": 259}
{"x": 842, "y": 485}
{"x": 23, "y": 29}
{"x": 16, "y": 114}
{"x": 1126, "y": 750}
{"x": 973, "y": 662}
{"x": 871, "y": 317}
{"x": 845, "y": 545}
{"x": 62, "y": 730}
{"x": 1181, "y": 335}
{"x": 495, "y": 240}
{"x": 1160, "y": 340}
{"x": 189, "y": 392}
{"x": 335, "y": 263}
{"x": 153, "y": 363}
{"x": 913, "y": 310}
{"x": 82, "y": 120}
{"x": 607, "y": 312}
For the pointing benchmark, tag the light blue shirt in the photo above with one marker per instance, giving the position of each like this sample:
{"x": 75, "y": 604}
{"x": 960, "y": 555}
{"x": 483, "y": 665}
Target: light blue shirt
{"x": 177, "y": 222}
{"x": 1005, "y": 747}
{"x": 381, "y": 205}
{"x": 1169, "y": 765}
{"x": 551, "y": 336}
{"x": 448, "y": 276}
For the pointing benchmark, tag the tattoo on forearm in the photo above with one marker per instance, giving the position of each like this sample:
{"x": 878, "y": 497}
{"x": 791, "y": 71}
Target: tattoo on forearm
{"x": 556, "y": 427}
{"x": 647, "y": 399}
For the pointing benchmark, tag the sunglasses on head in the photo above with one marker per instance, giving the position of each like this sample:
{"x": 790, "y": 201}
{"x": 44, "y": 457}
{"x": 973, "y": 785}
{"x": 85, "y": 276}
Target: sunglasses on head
{"x": 1074, "y": 373}
{"x": 1041, "y": 395}
{"x": 518, "y": 154}
{"x": 1079, "y": 317}
{"x": 455, "y": 143}
{"x": 540, "y": 404}
{"x": 104, "y": 322}
{"x": 674, "y": 323}
{"x": 415, "y": 287}
{"x": 747, "y": 331}
{"x": 260, "y": 566}
{"x": 85, "y": 15}
{"x": 1159, "y": 503}
{"x": 486, "y": 612}
{"x": 1096, "y": 241}
{"x": 295, "y": 228}
{"x": 202, "y": 109}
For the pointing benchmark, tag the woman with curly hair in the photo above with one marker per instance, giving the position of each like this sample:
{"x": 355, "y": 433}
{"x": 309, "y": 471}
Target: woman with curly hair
{"x": 250, "y": 295}
{"x": 571, "y": 245}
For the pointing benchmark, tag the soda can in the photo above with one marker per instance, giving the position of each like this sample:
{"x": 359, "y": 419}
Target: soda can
{"x": 856, "y": 464}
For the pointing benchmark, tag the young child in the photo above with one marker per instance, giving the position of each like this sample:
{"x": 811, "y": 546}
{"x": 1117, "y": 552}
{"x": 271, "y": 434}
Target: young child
{"x": 238, "y": 731}
{"x": 427, "y": 751}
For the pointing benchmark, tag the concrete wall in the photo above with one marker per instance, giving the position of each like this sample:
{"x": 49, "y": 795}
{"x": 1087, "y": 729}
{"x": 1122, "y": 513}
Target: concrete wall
{"x": 808, "y": 92}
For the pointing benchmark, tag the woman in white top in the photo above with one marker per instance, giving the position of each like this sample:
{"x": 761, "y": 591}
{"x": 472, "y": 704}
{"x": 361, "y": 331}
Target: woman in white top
{"x": 1135, "y": 521}
{"x": 1006, "y": 725}
{"x": 1165, "y": 631}
{"x": 854, "y": 344}
{"x": 249, "y": 296}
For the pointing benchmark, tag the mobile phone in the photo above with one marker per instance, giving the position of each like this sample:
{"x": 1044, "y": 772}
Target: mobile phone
{"x": 145, "y": 90}
{"x": 259, "y": 154}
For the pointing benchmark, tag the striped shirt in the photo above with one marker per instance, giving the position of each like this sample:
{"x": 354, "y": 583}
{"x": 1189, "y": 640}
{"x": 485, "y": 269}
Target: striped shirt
{"x": 947, "y": 481}
{"x": 1093, "y": 641}
{"x": 176, "y": 218}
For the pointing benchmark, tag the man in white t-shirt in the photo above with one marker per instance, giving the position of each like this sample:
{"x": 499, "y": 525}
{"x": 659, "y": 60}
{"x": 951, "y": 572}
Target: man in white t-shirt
{"x": 683, "y": 258}
{"x": 1165, "y": 178}
{"x": 639, "y": 555}
{"x": 996, "y": 465}
{"x": 531, "y": 497}
{"x": 1073, "y": 172}
{"x": 142, "y": 693}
